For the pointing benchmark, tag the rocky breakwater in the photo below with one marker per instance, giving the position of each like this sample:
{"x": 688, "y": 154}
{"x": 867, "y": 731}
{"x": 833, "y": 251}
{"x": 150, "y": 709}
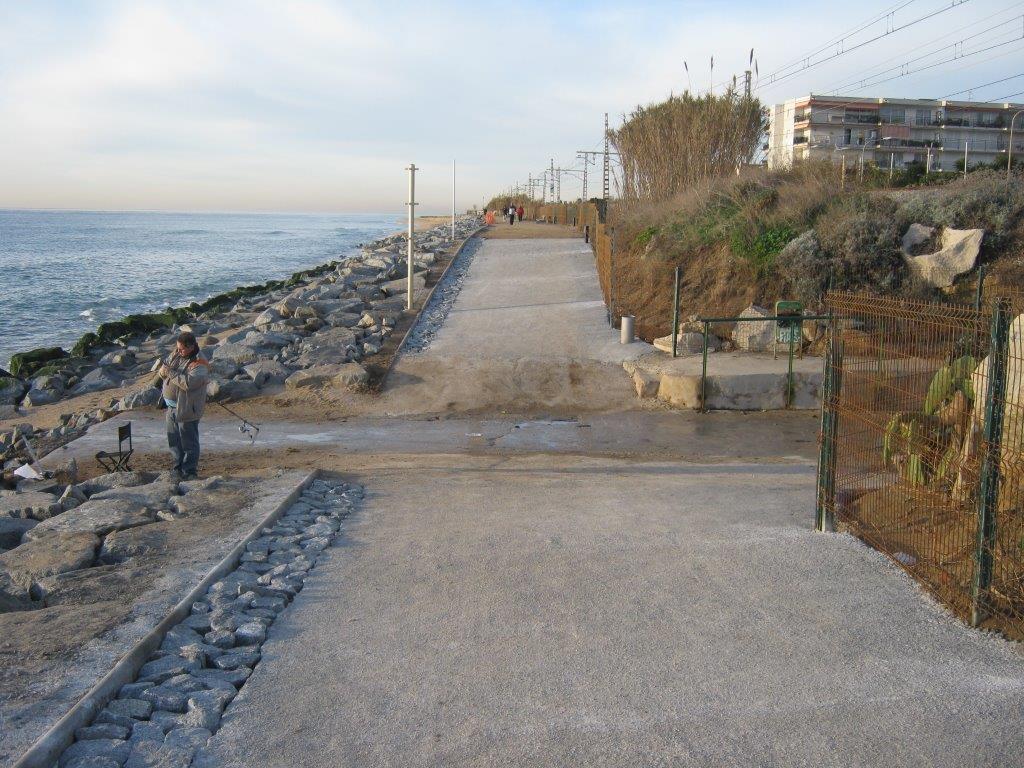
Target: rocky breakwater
{"x": 315, "y": 328}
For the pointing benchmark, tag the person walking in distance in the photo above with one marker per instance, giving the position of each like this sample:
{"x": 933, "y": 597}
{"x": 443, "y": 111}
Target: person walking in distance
{"x": 511, "y": 214}
{"x": 520, "y": 212}
{"x": 185, "y": 374}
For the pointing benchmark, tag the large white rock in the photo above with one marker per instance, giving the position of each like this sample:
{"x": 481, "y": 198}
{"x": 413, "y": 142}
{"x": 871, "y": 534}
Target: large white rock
{"x": 958, "y": 255}
{"x": 688, "y": 343}
{"x": 754, "y": 337}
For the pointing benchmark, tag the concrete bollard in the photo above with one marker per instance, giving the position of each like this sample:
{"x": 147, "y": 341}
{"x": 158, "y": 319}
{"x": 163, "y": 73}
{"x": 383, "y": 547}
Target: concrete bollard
{"x": 626, "y": 323}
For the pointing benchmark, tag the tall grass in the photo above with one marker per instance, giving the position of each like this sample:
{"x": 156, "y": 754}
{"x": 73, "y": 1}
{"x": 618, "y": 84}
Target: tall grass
{"x": 673, "y": 145}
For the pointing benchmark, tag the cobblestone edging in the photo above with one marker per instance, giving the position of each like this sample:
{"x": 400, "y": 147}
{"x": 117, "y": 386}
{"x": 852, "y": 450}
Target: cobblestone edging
{"x": 441, "y": 301}
{"x": 176, "y": 703}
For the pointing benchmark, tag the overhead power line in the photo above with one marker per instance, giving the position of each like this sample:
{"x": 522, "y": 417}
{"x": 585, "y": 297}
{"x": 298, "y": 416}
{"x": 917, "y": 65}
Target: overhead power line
{"x": 810, "y": 62}
{"x": 933, "y": 43}
{"x": 983, "y": 85}
{"x": 908, "y": 67}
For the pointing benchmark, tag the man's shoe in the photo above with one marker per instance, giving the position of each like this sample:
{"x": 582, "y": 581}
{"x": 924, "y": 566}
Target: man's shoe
{"x": 190, "y": 476}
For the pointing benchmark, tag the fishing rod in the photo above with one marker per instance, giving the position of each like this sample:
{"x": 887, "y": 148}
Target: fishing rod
{"x": 246, "y": 427}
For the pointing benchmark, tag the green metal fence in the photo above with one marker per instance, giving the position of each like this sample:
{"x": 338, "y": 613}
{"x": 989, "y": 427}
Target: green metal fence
{"x": 921, "y": 445}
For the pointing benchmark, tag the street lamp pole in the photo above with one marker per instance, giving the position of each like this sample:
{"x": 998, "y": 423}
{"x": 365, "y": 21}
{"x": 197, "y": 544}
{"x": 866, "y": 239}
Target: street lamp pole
{"x": 1009, "y": 150}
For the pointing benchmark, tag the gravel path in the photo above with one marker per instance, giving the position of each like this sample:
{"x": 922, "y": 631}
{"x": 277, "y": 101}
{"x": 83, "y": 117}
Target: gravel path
{"x": 441, "y": 301}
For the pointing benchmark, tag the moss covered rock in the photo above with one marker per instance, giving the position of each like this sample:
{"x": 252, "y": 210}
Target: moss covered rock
{"x": 25, "y": 364}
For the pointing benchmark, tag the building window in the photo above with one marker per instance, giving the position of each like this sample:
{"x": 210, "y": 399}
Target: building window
{"x": 893, "y": 115}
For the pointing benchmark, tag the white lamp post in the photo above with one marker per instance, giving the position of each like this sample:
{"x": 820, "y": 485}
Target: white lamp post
{"x": 1009, "y": 150}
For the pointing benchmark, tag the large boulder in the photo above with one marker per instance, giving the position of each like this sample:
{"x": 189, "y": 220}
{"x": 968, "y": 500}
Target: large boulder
{"x": 287, "y": 306}
{"x": 237, "y": 353}
{"x": 316, "y": 376}
{"x": 82, "y": 587}
{"x": 96, "y": 516}
{"x": 753, "y": 336}
{"x": 343, "y": 319}
{"x": 401, "y": 286}
{"x": 266, "y": 317}
{"x": 60, "y": 553}
{"x": 12, "y": 529}
{"x": 331, "y": 346}
{"x": 144, "y": 398}
{"x": 352, "y": 376}
{"x": 34, "y": 505}
{"x": 95, "y": 381}
{"x": 45, "y": 390}
{"x": 153, "y": 495}
{"x": 119, "y": 357}
{"x": 214, "y": 497}
{"x": 115, "y": 480}
{"x": 11, "y": 390}
{"x": 135, "y": 542}
{"x": 24, "y": 364}
{"x": 957, "y": 256}
{"x": 231, "y": 390}
{"x": 267, "y": 372}
{"x": 687, "y": 343}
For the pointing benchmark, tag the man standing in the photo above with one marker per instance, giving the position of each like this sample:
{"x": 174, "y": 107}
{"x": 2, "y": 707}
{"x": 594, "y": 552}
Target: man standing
{"x": 520, "y": 211}
{"x": 185, "y": 374}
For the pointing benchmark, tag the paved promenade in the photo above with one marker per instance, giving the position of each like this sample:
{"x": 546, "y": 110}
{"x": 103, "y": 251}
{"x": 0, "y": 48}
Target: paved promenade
{"x": 572, "y": 607}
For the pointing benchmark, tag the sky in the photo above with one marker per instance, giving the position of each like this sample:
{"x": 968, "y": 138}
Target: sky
{"x": 319, "y": 106}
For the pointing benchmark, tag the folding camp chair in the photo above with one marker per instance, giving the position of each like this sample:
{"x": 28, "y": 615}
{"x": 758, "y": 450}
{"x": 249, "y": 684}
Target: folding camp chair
{"x": 117, "y": 461}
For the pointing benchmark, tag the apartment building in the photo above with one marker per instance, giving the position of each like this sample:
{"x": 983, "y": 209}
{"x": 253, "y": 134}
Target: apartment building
{"x": 893, "y": 132}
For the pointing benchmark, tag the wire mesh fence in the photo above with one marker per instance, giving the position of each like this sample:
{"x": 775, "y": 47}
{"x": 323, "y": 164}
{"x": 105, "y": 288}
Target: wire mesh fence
{"x": 921, "y": 456}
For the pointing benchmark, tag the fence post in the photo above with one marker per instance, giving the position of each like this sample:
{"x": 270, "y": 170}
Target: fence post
{"x": 992, "y": 432}
{"x": 980, "y": 289}
{"x": 704, "y": 371}
{"x": 830, "y": 387}
{"x": 675, "y": 314}
{"x": 611, "y": 276}
{"x": 789, "y": 376}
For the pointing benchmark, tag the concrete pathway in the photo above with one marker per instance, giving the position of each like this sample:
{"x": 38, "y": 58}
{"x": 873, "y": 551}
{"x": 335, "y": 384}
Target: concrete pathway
{"x": 679, "y": 435}
{"x": 575, "y": 598}
{"x": 528, "y": 331}
{"x": 543, "y": 611}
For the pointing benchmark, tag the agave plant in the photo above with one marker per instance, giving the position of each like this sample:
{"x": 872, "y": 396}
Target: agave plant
{"x": 924, "y": 446}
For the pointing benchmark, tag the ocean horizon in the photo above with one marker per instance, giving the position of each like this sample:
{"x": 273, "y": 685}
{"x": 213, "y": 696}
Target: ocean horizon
{"x": 67, "y": 271}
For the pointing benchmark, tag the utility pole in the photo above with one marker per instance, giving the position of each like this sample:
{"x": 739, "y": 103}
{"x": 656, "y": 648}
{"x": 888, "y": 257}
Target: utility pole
{"x": 551, "y": 179}
{"x": 606, "y": 185}
{"x": 589, "y": 157}
{"x": 966, "y": 144}
{"x": 410, "y": 246}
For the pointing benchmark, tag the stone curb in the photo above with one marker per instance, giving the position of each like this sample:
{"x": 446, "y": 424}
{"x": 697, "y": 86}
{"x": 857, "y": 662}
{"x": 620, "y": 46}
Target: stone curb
{"x": 426, "y": 301}
{"x": 49, "y": 747}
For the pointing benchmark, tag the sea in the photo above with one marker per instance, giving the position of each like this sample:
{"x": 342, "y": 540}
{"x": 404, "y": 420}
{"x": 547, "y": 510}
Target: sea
{"x": 62, "y": 273}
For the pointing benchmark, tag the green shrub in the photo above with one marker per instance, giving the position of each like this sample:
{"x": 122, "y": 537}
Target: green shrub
{"x": 760, "y": 244}
{"x": 806, "y": 267}
{"x": 645, "y": 236}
